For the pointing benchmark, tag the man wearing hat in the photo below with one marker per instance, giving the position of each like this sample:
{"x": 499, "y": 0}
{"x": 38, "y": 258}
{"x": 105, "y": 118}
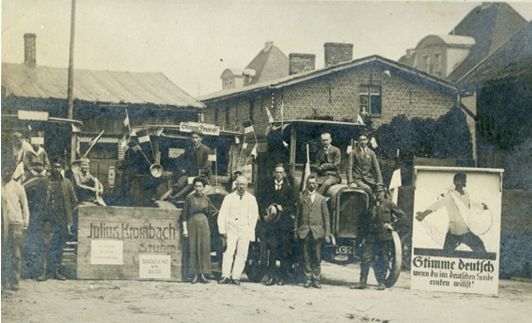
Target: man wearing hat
{"x": 60, "y": 201}
{"x": 377, "y": 227}
{"x": 278, "y": 206}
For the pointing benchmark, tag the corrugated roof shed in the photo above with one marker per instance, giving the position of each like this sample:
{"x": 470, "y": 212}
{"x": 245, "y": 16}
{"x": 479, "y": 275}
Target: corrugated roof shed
{"x": 513, "y": 59}
{"x": 94, "y": 86}
{"x": 491, "y": 25}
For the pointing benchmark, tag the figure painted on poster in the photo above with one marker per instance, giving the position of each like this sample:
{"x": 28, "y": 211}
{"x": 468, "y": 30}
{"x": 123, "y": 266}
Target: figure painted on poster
{"x": 463, "y": 214}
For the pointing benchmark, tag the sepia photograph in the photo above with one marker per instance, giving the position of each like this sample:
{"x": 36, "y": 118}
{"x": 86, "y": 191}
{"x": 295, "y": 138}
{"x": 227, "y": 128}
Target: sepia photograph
{"x": 266, "y": 161}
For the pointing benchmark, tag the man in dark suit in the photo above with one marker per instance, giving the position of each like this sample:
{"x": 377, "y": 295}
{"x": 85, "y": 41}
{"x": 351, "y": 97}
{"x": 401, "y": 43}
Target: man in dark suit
{"x": 60, "y": 201}
{"x": 365, "y": 171}
{"x": 378, "y": 239}
{"x": 327, "y": 164}
{"x": 278, "y": 205}
{"x": 194, "y": 162}
{"x": 311, "y": 227}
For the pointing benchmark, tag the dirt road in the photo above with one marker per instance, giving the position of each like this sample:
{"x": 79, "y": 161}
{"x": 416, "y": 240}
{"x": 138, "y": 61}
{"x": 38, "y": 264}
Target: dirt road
{"x": 127, "y": 301}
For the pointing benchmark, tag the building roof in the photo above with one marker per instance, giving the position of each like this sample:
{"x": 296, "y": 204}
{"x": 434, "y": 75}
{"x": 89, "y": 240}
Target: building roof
{"x": 94, "y": 86}
{"x": 235, "y": 71}
{"x": 491, "y": 25}
{"x": 512, "y": 59}
{"x": 450, "y": 40}
{"x": 269, "y": 64}
{"x": 406, "y": 70}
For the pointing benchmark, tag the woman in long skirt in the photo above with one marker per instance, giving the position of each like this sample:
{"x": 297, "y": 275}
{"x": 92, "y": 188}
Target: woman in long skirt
{"x": 195, "y": 215}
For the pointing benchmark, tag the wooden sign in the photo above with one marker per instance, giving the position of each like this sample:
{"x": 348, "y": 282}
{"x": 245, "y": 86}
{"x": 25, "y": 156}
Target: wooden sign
{"x": 129, "y": 243}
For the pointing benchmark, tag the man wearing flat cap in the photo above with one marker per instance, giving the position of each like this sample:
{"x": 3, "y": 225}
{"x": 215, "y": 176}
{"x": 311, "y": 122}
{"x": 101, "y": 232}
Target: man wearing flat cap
{"x": 377, "y": 227}
{"x": 278, "y": 207}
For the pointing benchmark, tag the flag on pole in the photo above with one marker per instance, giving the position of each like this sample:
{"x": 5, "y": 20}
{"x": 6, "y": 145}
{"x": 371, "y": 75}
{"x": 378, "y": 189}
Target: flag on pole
{"x": 143, "y": 136}
{"x": 245, "y": 145}
{"x": 349, "y": 149}
{"x": 359, "y": 119}
{"x": 127, "y": 125}
{"x": 395, "y": 181}
{"x": 306, "y": 174}
{"x": 237, "y": 140}
{"x": 373, "y": 142}
{"x": 248, "y": 127}
{"x": 212, "y": 157}
{"x": 254, "y": 151}
{"x": 270, "y": 117}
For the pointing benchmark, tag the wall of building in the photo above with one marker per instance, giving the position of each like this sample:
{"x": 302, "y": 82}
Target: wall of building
{"x": 336, "y": 96}
{"x": 454, "y": 57}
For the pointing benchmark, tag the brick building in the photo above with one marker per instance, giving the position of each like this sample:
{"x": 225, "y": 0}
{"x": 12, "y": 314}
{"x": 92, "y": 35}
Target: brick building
{"x": 375, "y": 87}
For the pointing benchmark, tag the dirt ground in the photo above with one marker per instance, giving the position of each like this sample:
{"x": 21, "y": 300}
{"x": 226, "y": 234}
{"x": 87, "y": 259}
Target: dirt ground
{"x": 132, "y": 301}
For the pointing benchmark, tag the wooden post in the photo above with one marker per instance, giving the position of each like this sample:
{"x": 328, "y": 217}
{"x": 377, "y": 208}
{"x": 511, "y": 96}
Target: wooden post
{"x": 70, "y": 86}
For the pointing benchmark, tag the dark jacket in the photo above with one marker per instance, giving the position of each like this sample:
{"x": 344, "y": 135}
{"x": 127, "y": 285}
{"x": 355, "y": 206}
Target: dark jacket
{"x": 385, "y": 212}
{"x": 68, "y": 202}
{"x": 195, "y": 161}
{"x": 284, "y": 197}
{"x": 312, "y": 217}
{"x": 328, "y": 163}
{"x": 365, "y": 166}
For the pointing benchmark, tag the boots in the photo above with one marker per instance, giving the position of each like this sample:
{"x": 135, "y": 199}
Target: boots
{"x": 364, "y": 271}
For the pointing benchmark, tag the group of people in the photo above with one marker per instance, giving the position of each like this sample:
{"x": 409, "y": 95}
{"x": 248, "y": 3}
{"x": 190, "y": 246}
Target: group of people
{"x": 39, "y": 200}
{"x": 292, "y": 228}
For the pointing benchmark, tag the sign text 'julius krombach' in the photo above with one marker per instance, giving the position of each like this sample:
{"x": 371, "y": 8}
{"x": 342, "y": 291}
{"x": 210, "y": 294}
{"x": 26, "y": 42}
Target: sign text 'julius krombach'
{"x": 103, "y": 230}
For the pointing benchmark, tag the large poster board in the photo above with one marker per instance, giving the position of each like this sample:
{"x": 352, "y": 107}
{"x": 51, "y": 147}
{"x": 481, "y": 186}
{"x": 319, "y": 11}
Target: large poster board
{"x": 456, "y": 229}
{"x": 129, "y": 243}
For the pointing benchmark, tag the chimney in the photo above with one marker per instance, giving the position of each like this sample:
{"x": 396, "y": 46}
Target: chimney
{"x": 336, "y": 53}
{"x": 30, "y": 54}
{"x": 299, "y": 63}
{"x": 268, "y": 45}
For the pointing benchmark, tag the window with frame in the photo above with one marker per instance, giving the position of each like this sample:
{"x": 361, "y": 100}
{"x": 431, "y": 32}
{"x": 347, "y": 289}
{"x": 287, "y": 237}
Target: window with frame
{"x": 437, "y": 64}
{"x": 227, "y": 116}
{"x": 370, "y": 100}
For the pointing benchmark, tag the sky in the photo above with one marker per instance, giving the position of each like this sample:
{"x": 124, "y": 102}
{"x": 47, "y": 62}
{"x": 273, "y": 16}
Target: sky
{"x": 192, "y": 42}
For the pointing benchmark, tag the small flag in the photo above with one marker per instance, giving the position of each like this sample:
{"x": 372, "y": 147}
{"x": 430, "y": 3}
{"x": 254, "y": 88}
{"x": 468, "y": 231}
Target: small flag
{"x": 126, "y": 121}
{"x": 254, "y": 151}
{"x": 360, "y": 120}
{"x": 143, "y": 136}
{"x": 395, "y": 183}
{"x": 285, "y": 144}
{"x": 270, "y": 117}
{"x": 158, "y": 132}
{"x": 212, "y": 157}
{"x": 248, "y": 127}
{"x": 373, "y": 142}
{"x": 349, "y": 149}
{"x": 306, "y": 173}
{"x": 237, "y": 140}
{"x": 245, "y": 145}
{"x": 190, "y": 180}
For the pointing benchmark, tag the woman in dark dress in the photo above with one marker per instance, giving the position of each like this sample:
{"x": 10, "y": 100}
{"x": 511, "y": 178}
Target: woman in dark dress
{"x": 196, "y": 211}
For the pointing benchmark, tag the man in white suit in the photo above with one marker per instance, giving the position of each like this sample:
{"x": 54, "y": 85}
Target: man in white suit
{"x": 236, "y": 223}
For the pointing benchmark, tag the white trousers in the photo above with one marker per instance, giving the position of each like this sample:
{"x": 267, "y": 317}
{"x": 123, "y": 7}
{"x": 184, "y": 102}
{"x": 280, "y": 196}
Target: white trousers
{"x": 235, "y": 256}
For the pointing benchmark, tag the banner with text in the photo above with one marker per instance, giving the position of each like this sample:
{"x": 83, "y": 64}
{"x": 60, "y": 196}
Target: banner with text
{"x": 129, "y": 243}
{"x": 456, "y": 231}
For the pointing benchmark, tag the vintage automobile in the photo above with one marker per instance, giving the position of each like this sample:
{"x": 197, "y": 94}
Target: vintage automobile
{"x": 151, "y": 168}
{"x": 347, "y": 204}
